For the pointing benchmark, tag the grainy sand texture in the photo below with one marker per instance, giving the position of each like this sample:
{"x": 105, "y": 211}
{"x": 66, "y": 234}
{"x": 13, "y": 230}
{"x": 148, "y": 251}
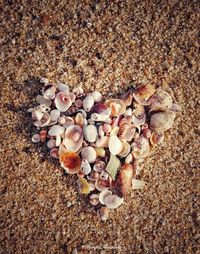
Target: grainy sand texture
{"x": 106, "y": 45}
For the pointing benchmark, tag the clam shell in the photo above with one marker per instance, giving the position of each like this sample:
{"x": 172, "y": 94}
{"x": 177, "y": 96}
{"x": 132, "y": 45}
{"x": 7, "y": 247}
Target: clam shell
{"x": 103, "y": 195}
{"x": 137, "y": 184}
{"x": 41, "y": 100}
{"x": 162, "y": 121}
{"x": 73, "y": 138}
{"x": 157, "y": 138}
{"x": 90, "y": 133}
{"x": 70, "y": 161}
{"x": 62, "y": 101}
{"x": 97, "y": 96}
{"x": 88, "y": 103}
{"x": 117, "y": 106}
{"x": 126, "y": 148}
{"x": 113, "y": 201}
{"x": 84, "y": 186}
{"x": 85, "y": 167}
{"x": 104, "y": 213}
{"x": 54, "y": 114}
{"x": 88, "y": 153}
{"x": 101, "y": 184}
{"x": 56, "y": 130}
{"x": 124, "y": 179}
{"x": 115, "y": 145}
{"x": 113, "y": 166}
{"x": 143, "y": 93}
{"x": 102, "y": 142}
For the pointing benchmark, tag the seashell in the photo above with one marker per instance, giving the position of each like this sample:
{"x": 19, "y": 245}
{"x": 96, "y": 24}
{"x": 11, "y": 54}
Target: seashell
{"x": 129, "y": 133}
{"x": 41, "y": 100}
{"x": 138, "y": 109}
{"x": 79, "y": 120}
{"x": 85, "y": 167}
{"x": 88, "y": 103}
{"x": 100, "y": 151}
{"x": 70, "y": 161}
{"x": 62, "y": 101}
{"x": 115, "y": 145}
{"x": 49, "y": 94}
{"x": 139, "y": 120}
{"x": 104, "y": 175}
{"x": 66, "y": 121}
{"x": 84, "y": 186}
{"x": 99, "y": 166}
{"x": 101, "y": 184}
{"x": 137, "y": 184}
{"x": 94, "y": 199}
{"x": 160, "y": 100}
{"x": 175, "y": 107}
{"x": 56, "y": 130}
{"x": 128, "y": 97}
{"x": 100, "y": 131}
{"x": 156, "y": 138}
{"x": 78, "y": 103}
{"x": 129, "y": 158}
{"x": 103, "y": 195}
{"x": 107, "y": 128}
{"x": 43, "y": 135}
{"x": 114, "y": 131}
{"x": 44, "y": 80}
{"x": 143, "y": 93}
{"x": 128, "y": 112}
{"x": 45, "y": 121}
{"x": 90, "y": 133}
{"x": 100, "y": 118}
{"x": 104, "y": 213}
{"x": 36, "y": 138}
{"x": 72, "y": 97}
{"x": 162, "y": 121}
{"x": 124, "y": 179}
{"x": 78, "y": 91}
{"x": 113, "y": 201}
{"x": 102, "y": 142}
{"x": 147, "y": 133}
{"x": 37, "y": 114}
{"x": 88, "y": 153}
{"x": 117, "y": 107}
{"x": 92, "y": 185}
{"x": 126, "y": 148}
{"x": 93, "y": 176}
{"x": 62, "y": 87}
{"x": 51, "y": 143}
{"x": 54, "y": 114}
{"x": 98, "y": 108}
{"x": 54, "y": 153}
{"x": 73, "y": 138}
{"x": 141, "y": 147}
{"x": 113, "y": 166}
{"x": 97, "y": 96}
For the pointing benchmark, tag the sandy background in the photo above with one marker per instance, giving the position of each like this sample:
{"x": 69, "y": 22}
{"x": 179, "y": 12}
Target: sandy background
{"x": 105, "y": 45}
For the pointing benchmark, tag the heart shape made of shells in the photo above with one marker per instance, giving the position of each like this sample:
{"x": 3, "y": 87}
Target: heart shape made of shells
{"x": 101, "y": 140}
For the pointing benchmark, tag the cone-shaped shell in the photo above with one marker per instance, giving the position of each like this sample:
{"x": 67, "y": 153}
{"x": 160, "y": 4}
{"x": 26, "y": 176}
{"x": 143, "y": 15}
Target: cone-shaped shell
{"x": 70, "y": 161}
{"x": 62, "y": 101}
{"x": 113, "y": 201}
{"x": 73, "y": 138}
{"x": 117, "y": 106}
{"x": 124, "y": 179}
{"x": 162, "y": 121}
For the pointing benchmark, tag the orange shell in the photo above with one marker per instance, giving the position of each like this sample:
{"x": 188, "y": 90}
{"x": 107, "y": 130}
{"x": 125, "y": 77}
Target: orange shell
{"x": 70, "y": 161}
{"x": 124, "y": 179}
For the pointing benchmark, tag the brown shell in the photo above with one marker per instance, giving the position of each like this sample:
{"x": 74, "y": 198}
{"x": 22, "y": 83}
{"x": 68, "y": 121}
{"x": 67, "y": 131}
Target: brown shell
{"x": 124, "y": 179}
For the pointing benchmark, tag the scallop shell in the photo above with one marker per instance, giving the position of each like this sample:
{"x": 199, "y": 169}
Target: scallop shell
{"x": 62, "y": 101}
{"x": 162, "y": 121}
{"x": 85, "y": 167}
{"x": 103, "y": 195}
{"x": 126, "y": 148}
{"x": 70, "y": 161}
{"x": 156, "y": 138}
{"x": 113, "y": 166}
{"x": 124, "y": 179}
{"x": 115, "y": 145}
{"x": 143, "y": 93}
{"x": 97, "y": 96}
{"x": 88, "y": 153}
{"x": 113, "y": 201}
{"x": 84, "y": 186}
{"x": 73, "y": 138}
{"x": 90, "y": 133}
{"x": 137, "y": 184}
{"x": 88, "y": 103}
{"x": 102, "y": 142}
{"x": 56, "y": 130}
{"x": 117, "y": 106}
{"x": 41, "y": 100}
{"x": 104, "y": 213}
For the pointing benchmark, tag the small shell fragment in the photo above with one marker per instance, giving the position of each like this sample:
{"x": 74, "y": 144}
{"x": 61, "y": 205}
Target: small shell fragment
{"x": 104, "y": 213}
{"x": 103, "y": 195}
{"x": 84, "y": 186}
{"x": 113, "y": 201}
{"x": 113, "y": 166}
{"x": 115, "y": 145}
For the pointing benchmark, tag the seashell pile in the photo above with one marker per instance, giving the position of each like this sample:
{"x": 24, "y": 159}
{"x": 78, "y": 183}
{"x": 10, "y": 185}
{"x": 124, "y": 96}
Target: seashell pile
{"x": 101, "y": 140}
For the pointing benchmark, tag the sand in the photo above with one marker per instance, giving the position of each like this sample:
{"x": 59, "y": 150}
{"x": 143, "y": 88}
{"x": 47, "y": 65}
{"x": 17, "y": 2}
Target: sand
{"x": 106, "y": 45}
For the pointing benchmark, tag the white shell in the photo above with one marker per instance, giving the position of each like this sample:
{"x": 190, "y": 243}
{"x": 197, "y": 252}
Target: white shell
{"x": 66, "y": 121}
{"x": 41, "y": 100}
{"x": 102, "y": 142}
{"x": 49, "y": 94}
{"x": 101, "y": 118}
{"x": 88, "y": 103}
{"x": 99, "y": 166}
{"x": 137, "y": 184}
{"x": 54, "y": 114}
{"x": 139, "y": 120}
{"x": 103, "y": 195}
{"x": 36, "y": 138}
{"x": 51, "y": 143}
{"x": 63, "y": 87}
{"x": 56, "y": 130}
{"x": 129, "y": 158}
{"x": 90, "y": 133}
{"x": 128, "y": 112}
{"x": 60, "y": 104}
{"x": 85, "y": 167}
{"x": 115, "y": 145}
{"x": 113, "y": 201}
{"x": 88, "y": 153}
{"x": 73, "y": 139}
{"x": 97, "y": 96}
